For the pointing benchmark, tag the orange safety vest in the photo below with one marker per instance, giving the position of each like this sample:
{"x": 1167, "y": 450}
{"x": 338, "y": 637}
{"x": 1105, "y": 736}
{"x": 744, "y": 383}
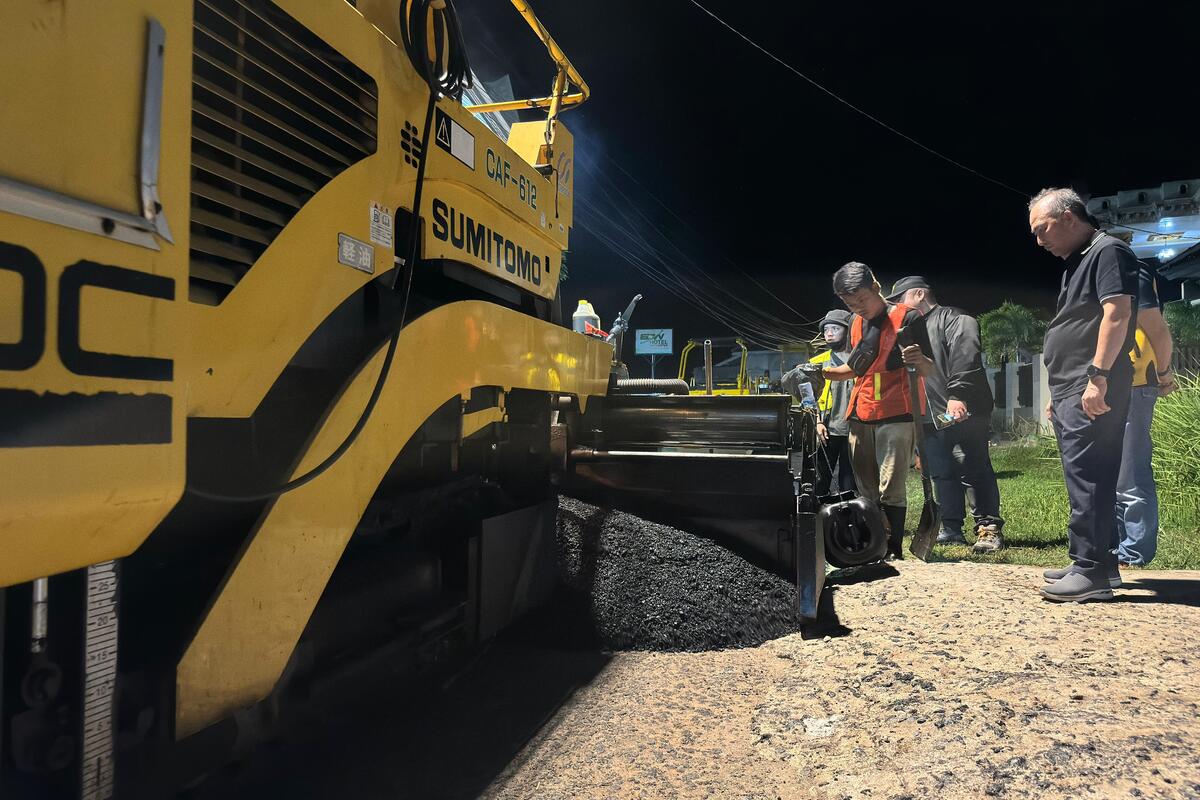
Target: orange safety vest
{"x": 882, "y": 393}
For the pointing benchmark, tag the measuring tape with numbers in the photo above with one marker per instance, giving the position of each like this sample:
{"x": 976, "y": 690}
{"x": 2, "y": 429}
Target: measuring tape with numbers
{"x": 99, "y": 682}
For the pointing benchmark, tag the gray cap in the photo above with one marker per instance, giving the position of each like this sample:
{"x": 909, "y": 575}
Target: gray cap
{"x": 904, "y": 284}
{"x": 838, "y": 316}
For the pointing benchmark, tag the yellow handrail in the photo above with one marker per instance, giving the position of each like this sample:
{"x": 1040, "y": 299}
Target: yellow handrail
{"x": 566, "y": 75}
{"x": 687, "y": 349}
{"x": 743, "y": 381}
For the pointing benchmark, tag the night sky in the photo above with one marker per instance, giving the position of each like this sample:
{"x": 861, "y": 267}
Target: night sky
{"x": 771, "y": 174}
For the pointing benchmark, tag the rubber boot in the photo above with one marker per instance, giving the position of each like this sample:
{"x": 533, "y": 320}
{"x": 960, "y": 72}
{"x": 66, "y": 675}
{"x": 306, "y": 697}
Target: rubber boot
{"x": 895, "y": 518}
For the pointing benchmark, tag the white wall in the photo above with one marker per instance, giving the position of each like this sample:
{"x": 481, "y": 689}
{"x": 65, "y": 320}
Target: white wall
{"x": 1003, "y": 417}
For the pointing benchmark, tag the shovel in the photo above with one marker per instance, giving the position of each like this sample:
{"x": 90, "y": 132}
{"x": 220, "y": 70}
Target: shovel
{"x": 927, "y": 528}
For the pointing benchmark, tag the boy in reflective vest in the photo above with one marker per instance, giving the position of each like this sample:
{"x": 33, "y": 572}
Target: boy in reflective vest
{"x": 880, "y": 408}
{"x": 833, "y": 431}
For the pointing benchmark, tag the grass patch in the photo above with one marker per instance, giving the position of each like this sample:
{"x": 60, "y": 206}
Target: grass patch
{"x": 1033, "y": 497}
{"x": 1033, "y": 502}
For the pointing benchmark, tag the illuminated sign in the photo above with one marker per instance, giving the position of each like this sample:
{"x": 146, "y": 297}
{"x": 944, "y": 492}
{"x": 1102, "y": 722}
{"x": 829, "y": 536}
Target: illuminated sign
{"x": 653, "y": 341}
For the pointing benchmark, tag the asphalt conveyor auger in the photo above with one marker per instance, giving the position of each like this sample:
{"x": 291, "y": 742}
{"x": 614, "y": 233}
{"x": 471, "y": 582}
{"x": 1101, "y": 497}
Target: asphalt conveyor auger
{"x": 738, "y": 469}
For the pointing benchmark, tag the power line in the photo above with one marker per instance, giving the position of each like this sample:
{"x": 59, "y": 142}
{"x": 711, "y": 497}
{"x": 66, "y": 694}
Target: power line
{"x": 855, "y": 108}
{"x": 624, "y": 202}
{"x": 716, "y": 305}
{"x": 662, "y": 273}
{"x": 769, "y": 319}
{"x": 626, "y": 236}
{"x": 803, "y": 319}
{"x": 675, "y": 286}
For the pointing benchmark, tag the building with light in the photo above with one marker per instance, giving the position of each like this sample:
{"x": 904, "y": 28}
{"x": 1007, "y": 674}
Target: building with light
{"x": 1162, "y": 225}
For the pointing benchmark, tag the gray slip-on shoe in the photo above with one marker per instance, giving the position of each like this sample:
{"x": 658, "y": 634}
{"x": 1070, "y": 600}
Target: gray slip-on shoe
{"x": 951, "y": 537}
{"x": 1055, "y": 575}
{"x": 1075, "y": 587}
{"x": 1052, "y": 575}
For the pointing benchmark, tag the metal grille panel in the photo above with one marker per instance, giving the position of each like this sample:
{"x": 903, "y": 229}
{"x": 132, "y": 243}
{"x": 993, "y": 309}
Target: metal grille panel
{"x": 276, "y": 114}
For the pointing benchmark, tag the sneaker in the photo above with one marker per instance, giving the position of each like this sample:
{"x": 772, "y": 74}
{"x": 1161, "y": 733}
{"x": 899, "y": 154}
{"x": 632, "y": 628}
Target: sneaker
{"x": 1055, "y": 575}
{"x": 1076, "y": 587}
{"x": 987, "y": 538}
{"x": 950, "y": 537}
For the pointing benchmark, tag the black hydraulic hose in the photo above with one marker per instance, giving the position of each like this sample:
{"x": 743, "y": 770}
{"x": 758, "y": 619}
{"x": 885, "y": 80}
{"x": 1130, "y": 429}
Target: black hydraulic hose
{"x": 446, "y": 68}
{"x": 448, "y": 79}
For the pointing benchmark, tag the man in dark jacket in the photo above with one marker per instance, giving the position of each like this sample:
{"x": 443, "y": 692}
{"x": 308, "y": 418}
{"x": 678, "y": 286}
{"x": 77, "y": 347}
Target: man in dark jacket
{"x": 1090, "y": 377}
{"x": 961, "y": 402}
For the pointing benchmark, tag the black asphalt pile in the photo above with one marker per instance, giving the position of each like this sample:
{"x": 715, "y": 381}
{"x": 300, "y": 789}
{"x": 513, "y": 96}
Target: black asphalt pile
{"x": 653, "y": 587}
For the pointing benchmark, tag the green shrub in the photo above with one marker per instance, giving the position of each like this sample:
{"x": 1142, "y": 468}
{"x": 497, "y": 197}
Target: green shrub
{"x": 1184, "y": 322}
{"x": 1176, "y": 435}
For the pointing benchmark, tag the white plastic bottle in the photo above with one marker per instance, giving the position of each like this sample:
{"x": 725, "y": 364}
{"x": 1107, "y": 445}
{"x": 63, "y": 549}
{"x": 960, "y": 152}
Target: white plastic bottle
{"x": 583, "y": 315}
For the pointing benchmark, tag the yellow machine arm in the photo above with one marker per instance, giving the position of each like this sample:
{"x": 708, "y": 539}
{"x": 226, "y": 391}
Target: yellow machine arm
{"x": 565, "y": 76}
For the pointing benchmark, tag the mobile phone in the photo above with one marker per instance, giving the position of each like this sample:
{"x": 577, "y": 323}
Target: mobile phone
{"x": 945, "y": 420}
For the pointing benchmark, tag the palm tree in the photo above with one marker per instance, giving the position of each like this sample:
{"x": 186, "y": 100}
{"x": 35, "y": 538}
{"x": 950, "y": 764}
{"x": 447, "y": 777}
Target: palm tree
{"x": 1008, "y": 330}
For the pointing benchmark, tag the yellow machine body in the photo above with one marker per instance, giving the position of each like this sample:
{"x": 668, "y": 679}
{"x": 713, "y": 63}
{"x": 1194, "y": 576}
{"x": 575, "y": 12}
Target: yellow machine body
{"x": 110, "y": 341}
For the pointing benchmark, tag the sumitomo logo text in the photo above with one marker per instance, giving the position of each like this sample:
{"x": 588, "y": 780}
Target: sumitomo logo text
{"x": 487, "y": 245}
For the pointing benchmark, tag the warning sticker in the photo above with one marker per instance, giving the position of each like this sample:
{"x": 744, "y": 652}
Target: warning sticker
{"x": 454, "y": 139}
{"x": 381, "y": 225}
{"x": 354, "y": 253}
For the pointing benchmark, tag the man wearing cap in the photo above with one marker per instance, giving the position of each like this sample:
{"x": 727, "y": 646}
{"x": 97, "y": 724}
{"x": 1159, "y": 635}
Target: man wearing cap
{"x": 833, "y": 430}
{"x": 1090, "y": 377}
{"x": 880, "y": 405}
{"x": 957, "y": 388}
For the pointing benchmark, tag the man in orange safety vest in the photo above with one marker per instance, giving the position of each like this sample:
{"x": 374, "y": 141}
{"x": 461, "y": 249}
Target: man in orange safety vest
{"x": 880, "y": 412}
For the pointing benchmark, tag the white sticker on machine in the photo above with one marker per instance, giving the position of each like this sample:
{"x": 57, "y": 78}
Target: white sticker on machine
{"x": 381, "y": 225}
{"x": 354, "y": 253}
{"x": 454, "y": 139}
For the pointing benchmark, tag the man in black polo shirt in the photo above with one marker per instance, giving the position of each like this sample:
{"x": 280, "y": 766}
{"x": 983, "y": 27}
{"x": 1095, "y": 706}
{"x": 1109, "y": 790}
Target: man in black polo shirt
{"x": 1090, "y": 375}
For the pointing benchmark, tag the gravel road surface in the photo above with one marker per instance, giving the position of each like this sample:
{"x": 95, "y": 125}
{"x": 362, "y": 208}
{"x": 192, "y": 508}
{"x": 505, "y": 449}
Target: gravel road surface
{"x": 673, "y": 669}
{"x": 925, "y": 681}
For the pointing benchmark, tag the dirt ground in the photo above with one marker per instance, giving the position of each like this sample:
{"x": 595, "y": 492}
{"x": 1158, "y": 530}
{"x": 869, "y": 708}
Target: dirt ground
{"x": 942, "y": 681}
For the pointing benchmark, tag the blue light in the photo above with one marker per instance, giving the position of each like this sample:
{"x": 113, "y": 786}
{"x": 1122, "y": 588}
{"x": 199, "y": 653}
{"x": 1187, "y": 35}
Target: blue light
{"x": 1163, "y": 255}
{"x": 1166, "y": 223}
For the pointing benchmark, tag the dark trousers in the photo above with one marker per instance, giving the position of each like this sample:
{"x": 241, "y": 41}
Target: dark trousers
{"x": 958, "y": 458}
{"x": 1091, "y": 459}
{"x": 835, "y": 455}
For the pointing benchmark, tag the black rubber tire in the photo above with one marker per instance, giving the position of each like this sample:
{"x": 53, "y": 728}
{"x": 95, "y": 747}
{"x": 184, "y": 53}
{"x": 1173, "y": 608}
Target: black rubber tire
{"x": 854, "y": 545}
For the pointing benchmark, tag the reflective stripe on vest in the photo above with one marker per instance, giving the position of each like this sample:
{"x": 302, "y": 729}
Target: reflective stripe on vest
{"x": 886, "y": 395}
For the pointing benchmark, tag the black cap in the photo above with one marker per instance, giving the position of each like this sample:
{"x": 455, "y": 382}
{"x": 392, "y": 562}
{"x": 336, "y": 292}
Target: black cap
{"x": 904, "y": 284}
{"x": 838, "y": 316}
